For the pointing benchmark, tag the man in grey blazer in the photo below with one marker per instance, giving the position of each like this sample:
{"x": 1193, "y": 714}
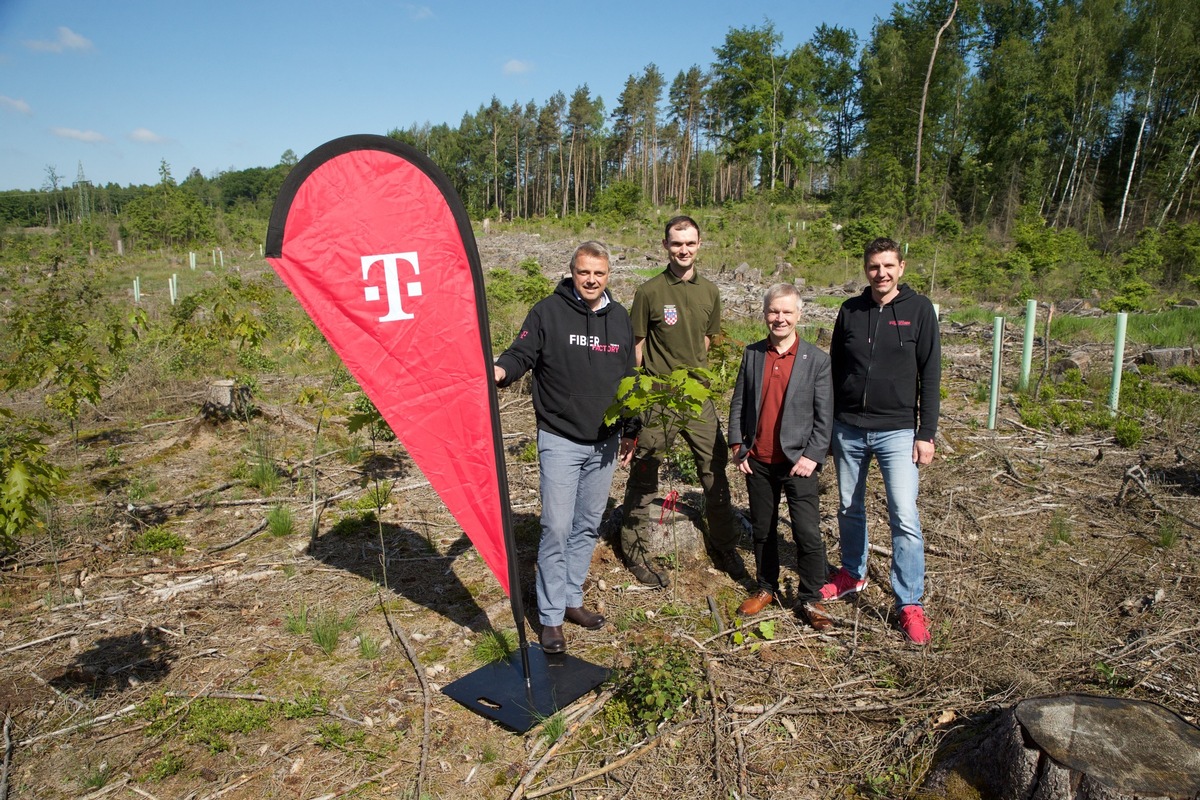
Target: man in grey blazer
{"x": 780, "y": 423}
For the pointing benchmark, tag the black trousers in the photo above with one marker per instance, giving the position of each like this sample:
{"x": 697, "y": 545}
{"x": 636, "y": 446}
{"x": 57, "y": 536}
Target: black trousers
{"x": 765, "y": 484}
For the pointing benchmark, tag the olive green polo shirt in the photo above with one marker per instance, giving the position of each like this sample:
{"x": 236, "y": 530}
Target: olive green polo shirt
{"x": 674, "y": 316}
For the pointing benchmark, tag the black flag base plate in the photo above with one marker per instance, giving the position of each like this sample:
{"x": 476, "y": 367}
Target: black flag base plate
{"x": 497, "y": 691}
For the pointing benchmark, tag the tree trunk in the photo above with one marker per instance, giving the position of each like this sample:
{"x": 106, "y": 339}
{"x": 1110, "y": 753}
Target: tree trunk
{"x": 1137, "y": 149}
{"x": 937, "y": 41}
{"x": 1075, "y": 746}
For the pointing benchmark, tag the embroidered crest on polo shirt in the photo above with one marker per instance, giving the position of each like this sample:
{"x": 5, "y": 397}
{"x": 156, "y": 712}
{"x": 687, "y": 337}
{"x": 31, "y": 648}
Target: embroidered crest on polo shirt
{"x": 670, "y": 315}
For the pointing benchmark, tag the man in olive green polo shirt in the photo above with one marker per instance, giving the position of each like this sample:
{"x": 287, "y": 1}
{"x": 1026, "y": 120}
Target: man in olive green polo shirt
{"x": 675, "y": 316}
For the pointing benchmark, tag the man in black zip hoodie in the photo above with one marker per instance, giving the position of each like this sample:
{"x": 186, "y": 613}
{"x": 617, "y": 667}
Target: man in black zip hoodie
{"x": 886, "y": 360}
{"x": 579, "y": 344}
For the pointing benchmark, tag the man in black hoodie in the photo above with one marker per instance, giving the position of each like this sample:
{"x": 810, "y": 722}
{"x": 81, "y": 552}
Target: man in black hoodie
{"x": 886, "y": 359}
{"x": 579, "y": 344}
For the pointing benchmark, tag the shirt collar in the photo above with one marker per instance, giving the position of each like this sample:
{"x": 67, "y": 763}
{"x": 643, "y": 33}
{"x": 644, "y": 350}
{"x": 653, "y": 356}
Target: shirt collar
{"x": 603, "y": 300}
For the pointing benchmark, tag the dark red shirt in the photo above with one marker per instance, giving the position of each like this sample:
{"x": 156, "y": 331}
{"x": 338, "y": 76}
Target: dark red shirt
{"x": 776, "y": 373}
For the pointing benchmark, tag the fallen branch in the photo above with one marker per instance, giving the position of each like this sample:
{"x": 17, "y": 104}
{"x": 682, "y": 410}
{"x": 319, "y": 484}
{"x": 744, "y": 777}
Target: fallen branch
{"x": 1137, "y": 476}
{"x": 171, "y": 570}
{"x": 103, "y": 718}
{"x": 766, "y": 715}
{"x": 36, "y": 642}
{"x": 109, "y": 789}
{"x": 709, "y": 669}
{"x": 169, "y": 592}
{"x": 399, "y": 636}
{"x": 519, "y": 791}
{"x": 8, "y": 749}
{"x": 355, "y": 787}
{"x": 620, "y": 762}
{"x": 257, "y": 529}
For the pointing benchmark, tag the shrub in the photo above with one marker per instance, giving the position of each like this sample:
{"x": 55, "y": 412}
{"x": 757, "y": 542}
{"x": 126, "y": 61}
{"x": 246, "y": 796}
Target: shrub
{"x": 157, "y": 540}
{"x": 27, "y": 479}
{"x": 663, "y": 678}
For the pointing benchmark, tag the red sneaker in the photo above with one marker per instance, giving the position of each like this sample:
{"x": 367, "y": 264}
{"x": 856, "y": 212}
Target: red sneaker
{"x": 912, "y": 622}
{"x": 842, "y": 584}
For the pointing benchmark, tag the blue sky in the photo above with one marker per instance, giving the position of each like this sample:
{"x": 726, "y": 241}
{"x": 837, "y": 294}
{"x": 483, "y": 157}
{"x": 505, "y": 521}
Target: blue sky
{"x": 120, "y": 85}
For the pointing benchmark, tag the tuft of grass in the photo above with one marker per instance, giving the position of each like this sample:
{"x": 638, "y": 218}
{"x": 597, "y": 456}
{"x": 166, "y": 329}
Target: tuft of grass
{"x": 1189, "y": 376}
{"x": 296, "y": 621}
{"x": 140, "y": 490}
{"x": 369, "y": 647}
{"x": 1168, "y": 533}
{"x": 529, "y": 453}
{"x": 328, "y": 628}
{"x": 553, "y": 727}
{"x": 355, "y": 523}
{"x": 97, "y": 778}
{"x": 1128, "y": 432}
{"x": 332, "y": 736}
{"x": 378, "y": 496}
{"x": 494, "y": 646}
{"x": 1060, "y": 529}
{"x": 264, "y": 476}
{"x": 280, "y": 521}
{"x": 157, "y": 540}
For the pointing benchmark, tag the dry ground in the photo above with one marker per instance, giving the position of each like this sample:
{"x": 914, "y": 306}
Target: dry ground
{"x": 1051, "y": 568}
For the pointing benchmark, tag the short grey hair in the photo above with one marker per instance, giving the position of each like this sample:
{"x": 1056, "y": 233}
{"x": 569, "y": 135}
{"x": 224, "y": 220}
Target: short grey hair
{"x": 591, "y": 248}
{"x": 782, "y": 290}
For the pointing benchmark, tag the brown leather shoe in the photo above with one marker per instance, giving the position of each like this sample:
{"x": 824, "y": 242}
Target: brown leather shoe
{"x": 817, "y": 616}
{"x": 552, "y": 639}
{"x": 756, "y": 603}
{"x": 585, "y": 618}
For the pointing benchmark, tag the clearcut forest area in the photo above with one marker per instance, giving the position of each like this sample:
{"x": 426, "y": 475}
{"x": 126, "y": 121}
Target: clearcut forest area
{"x": 170, "y": 628}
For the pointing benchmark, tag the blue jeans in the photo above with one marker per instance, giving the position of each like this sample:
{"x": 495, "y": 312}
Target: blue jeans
{"x": 853, "y": 449}
{"x": 576, "y": 479}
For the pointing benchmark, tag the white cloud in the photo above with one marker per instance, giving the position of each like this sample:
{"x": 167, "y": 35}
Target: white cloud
{"x": 13, "y": 104}
{"x": 418, "y": 12}
{"x": 67, "y": 40}
{"x": 146, "y": 136}
{"x": 515, "y": 66}
{"x": 79, "y": 136}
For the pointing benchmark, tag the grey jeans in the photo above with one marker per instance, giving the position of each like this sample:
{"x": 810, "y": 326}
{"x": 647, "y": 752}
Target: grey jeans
{"x": 576, "y": 479}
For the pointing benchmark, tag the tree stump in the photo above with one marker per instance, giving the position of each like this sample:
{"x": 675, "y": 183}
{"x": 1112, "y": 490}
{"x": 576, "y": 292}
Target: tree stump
{"x": 1075, "y": 746}
{"x": 225, "y": 400}
{"x": 1165, "y": 357}
{"x": 1080, "y": 359}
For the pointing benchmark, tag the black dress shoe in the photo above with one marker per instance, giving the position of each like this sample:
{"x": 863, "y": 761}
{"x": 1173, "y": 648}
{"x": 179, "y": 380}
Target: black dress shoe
{"x": 552, "y": 639}
{"x": 729, "y": 562}
{"x": 585, "y": 618}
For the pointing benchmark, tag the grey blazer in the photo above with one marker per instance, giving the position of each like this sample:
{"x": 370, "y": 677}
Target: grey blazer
{"x": 807, "y": 405}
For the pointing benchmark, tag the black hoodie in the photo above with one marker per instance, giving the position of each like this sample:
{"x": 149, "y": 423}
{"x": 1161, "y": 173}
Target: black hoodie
{"x": 578, "y": 356}
{"x": 887, "y": 364}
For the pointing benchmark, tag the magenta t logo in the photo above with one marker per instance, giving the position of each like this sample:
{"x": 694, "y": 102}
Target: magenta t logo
{"x": 391, "y": 283}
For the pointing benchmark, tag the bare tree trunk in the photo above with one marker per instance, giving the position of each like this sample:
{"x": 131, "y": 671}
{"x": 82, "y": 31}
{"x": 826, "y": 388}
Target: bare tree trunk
{"x": 1183, "y": 175}
{"x": 1137, "y": 149}
{"x": 937, "y": 41}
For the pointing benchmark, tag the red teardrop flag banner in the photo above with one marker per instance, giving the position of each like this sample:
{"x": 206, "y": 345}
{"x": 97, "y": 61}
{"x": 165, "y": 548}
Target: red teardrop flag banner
{"x": 371, "y": 238}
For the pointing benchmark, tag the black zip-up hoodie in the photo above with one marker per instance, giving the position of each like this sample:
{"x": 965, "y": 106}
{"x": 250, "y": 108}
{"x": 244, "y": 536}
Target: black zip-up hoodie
{"x": 578, "y": 356}
{"x": 887, "y": 364}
